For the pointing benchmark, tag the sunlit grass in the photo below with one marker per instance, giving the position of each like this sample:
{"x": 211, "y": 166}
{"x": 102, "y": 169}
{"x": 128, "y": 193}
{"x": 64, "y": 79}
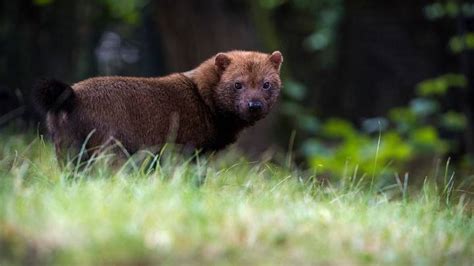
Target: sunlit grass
{"x": 242, "y": 213}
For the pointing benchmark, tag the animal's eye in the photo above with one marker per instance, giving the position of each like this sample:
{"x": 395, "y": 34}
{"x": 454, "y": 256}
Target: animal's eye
{"x": 266, "y": 85}
{"x": 238, "y": 85}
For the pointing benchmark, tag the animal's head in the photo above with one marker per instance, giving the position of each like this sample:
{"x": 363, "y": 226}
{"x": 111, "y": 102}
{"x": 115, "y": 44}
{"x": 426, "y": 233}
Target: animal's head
{"x": 249, "y": 83}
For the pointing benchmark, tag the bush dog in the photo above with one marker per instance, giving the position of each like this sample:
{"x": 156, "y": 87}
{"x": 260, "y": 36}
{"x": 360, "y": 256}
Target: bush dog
{"x": 202, "y": 109}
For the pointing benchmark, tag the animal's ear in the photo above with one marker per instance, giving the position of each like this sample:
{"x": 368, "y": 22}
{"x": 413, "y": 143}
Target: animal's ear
{"x": 222, "y": 61}
{"x": 276, "y": 58}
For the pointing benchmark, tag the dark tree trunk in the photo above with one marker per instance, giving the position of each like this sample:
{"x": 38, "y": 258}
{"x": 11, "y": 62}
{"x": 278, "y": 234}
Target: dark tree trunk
{"x": 192, "y": 32}
{"x": 466, "y": 60}
{"x": 54, "y": 40}
{"x": 387, "y": 47}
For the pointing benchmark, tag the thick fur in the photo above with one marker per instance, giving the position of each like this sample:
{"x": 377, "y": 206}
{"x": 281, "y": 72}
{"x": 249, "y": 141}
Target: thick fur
{"x": 200, "y": 109}
{"x": 51, "y": 95}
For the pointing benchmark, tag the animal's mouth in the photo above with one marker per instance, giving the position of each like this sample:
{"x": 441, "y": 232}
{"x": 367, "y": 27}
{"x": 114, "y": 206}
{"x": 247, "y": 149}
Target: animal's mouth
{"x": 249, "y": 115}
{"x": 253, "y": 117}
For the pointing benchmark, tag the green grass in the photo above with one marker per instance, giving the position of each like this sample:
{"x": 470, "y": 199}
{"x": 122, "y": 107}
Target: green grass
{"x": 244, "y": 213}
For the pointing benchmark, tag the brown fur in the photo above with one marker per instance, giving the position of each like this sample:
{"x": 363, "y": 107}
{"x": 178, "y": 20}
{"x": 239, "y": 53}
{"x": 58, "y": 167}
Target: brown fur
{"x": 200, "y": 109}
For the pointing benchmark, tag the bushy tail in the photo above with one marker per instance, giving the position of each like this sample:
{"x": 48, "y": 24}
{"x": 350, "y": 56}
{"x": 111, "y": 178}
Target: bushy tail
{"x": 51, "y": 95}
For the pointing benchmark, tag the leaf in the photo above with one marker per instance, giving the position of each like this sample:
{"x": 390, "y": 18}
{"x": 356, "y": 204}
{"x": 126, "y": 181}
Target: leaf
{"x": 440, "y": 85}
{"x": 309, "y": 123}
{"x": 334, "y": 128}
{"x": 313, "y": 147}
{"x": 271, "y": 4}
{"x": 43, "y": 2}
{"x": 375, "y": 124}
{"x": 404, "y": 118}
{"x": 454, "y": 121}
{"x": 426, "y": 139}
{"x": 458, "y": 44}
{"x": 423, "y": 107}
{"x": 318, "y": 40}
{"x": 294, "y": 90}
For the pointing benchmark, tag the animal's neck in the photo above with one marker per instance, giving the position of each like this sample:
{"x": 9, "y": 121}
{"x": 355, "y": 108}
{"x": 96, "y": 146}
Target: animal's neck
{"x": 227, "y": 125}
{"x": 206, "y": 78}
{"x": 227, "y": 129}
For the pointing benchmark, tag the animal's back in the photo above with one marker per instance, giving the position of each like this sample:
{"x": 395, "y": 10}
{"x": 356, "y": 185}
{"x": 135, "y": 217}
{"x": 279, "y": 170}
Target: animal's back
{"x": 137, "y": 112}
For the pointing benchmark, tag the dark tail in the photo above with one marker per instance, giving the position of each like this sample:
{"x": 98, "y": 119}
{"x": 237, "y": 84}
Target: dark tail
{"x": 51, "y": 95}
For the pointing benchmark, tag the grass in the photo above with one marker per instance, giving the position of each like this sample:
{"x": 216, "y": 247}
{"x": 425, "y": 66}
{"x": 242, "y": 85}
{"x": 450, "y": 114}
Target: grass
{"x": 243, "y": 213}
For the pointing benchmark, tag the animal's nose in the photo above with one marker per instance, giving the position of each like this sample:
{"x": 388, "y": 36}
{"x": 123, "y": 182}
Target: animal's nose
{"x": 255, "y": 106}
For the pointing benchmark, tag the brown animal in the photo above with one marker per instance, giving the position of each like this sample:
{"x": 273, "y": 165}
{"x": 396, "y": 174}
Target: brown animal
{"x": 204, "y": 108}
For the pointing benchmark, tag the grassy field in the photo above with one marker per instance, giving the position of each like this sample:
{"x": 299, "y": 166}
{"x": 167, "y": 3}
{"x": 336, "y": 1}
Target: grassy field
{"x": 243, "y": 213}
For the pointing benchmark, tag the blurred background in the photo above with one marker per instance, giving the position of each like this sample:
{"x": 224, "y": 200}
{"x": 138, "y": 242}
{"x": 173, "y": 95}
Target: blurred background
{"x": 365, "y": 81}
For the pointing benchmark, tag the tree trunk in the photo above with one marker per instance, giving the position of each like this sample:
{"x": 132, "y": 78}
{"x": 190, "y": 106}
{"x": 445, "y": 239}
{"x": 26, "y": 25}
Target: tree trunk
{"x": 387, "y": 48}
{"x": 466, "y": 59}
{"x": 53, "y": 40}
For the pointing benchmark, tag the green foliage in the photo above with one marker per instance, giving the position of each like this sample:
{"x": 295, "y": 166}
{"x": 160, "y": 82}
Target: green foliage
{"x": 326, "y": 24}
{"x": 350, "y": 149}
{"x": 355, "y": 151}
{"x": 454, "y": 121}
{"x": 450, "y": 9}
{"x": 338, "y": 128}
{"x": 321, "y": 18}
{"x": 426, "y": 140}
{"x": 457, "y": 44}
{"x": 423, "y": 107}
{"x": 270, "y": 4}
{"x": 440, "y": 85}
{"x": 42, "y": 2}
{"x": 294, "y": 90}
{"x": 126, "y": 10}
{"x": 390, "y": 143}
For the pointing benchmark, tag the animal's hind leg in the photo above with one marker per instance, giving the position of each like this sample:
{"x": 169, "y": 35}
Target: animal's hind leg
{"x": 67, "y": 142}
{"x": 200, "y": 161}
{"x": 69, "y": 152}
{"x": 112, "y": 150}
